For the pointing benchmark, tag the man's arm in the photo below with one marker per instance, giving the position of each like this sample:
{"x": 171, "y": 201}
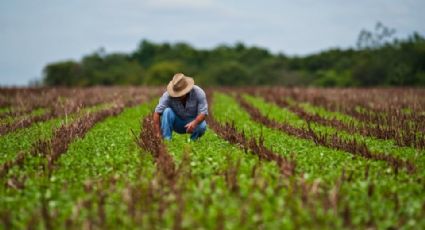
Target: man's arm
{"x": 192, "y": 125}
{"x": 156, "y": 124}
{"x": 162, "y": 105}
{"x": 202, "y": 111}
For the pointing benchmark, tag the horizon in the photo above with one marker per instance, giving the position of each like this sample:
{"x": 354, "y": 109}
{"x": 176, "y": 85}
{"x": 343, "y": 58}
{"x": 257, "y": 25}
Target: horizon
{"x": 31, "y": 39}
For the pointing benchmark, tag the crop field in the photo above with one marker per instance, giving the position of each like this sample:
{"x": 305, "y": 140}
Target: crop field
{"x": 272, "y": 158}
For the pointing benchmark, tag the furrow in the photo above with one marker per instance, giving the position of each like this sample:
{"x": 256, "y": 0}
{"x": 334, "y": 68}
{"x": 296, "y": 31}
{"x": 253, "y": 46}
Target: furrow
{"x": 352, "y": 146}
{"x": 56, "y": 107}
{"x": 92, "y": 171}
{"x": 149, "y": 141}
{"x": 405, "y": 138}
{"x": 230, "y": 133}
{"x": 51, "y": 149}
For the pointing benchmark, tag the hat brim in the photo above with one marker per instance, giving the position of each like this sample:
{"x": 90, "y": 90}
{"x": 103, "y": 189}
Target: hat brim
{"x": 172, "y": 93}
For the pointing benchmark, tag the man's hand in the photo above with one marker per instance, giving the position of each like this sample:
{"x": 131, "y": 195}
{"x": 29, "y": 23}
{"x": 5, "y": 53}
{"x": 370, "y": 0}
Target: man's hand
{"x": 191, "y": 126}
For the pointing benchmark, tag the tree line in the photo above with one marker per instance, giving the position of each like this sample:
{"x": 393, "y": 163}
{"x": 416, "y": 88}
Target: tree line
{"x": 377, "y": 60}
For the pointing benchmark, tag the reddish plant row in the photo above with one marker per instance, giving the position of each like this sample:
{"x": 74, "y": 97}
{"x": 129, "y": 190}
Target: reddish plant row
{"x": 140, "y": 199}
{"x": 311, "y": 194}
{"x": 81, "y": 99}
{"x": 52, "y": 149}
{"x": 166, "y": 169}
{"x": 380, "y": 107}
{"x": 230, "y": 133}
{"x": 23, "y": 101}
{"x": 19, "y": 160}
{"x": 26, "y": 122}
{"x": 26, "y": 99}
{"x": 149, "y": 141}
{"x": 332, "y": 141}
{"x": 406, "y": 137}
{"x": 383, "y": 107}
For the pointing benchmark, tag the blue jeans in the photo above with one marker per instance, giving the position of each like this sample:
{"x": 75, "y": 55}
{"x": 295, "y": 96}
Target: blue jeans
{"x": 171, "y": 122}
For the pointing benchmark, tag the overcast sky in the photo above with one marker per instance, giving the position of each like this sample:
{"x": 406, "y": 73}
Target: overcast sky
{"x": 34, "y": 33}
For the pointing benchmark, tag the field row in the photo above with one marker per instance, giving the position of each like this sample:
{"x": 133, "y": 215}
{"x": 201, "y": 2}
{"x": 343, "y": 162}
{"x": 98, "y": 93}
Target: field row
{"x": 280, "y": 171}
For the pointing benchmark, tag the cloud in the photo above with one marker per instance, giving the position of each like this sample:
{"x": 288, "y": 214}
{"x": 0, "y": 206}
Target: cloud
{"x": 191, "y": 4}
{"x": 33, "y": 33}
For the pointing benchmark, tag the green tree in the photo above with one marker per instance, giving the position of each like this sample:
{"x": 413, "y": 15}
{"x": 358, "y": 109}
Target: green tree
{"x": 67, "y": 73}
{"x": 230, "y": 74}
{"x": 376, "y": 61}
{"x": 162, "y": 72}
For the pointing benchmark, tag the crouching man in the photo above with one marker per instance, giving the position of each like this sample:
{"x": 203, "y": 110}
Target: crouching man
{"x": 182, "y": 108}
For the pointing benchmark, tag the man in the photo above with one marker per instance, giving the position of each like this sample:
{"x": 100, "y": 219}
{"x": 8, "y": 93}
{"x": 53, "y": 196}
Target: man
{"x": 182, "y": 108}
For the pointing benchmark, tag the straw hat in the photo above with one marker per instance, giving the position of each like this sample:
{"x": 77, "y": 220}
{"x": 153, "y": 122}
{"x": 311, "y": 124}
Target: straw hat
{"x": 180, "y": 85}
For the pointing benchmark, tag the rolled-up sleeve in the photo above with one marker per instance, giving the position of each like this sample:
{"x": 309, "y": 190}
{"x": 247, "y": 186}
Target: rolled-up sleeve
{"x": 202, "y": 103}
{"x": 163, "y": 103}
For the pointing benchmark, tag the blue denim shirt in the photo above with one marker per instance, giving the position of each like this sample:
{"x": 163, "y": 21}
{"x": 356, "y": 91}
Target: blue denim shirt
{"x": 196, "y": 104}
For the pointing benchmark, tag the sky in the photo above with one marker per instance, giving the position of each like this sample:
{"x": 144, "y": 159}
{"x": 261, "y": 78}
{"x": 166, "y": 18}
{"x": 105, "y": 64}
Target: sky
{"x": 34, "y": 33}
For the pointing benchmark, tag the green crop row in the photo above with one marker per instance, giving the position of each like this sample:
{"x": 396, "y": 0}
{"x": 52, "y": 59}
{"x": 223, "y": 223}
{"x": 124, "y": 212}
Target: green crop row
{"x": 323, "y": 112}
{"x": 308, "y": 107}
{"x": 10, "y": 119}
{"x": 319, "y": 163}
{"x": 22, "y": 139}
{"x": 106, "y": 181}
{"x": 274, "y": 112}
{"x": 107, "y": 150}
{"x": 210, "y": 159}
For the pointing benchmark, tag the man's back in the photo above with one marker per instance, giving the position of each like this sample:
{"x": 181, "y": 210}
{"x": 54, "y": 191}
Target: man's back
{"x": 196, "y": 103}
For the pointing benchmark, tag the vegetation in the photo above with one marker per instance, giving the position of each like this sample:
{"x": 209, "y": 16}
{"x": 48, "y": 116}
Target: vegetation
{"x": 272, "y": 158}
{"x": 378, "y": 60}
